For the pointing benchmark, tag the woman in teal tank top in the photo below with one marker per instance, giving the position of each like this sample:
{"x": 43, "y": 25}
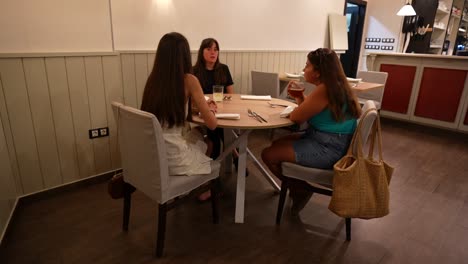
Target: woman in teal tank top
{"x": 331, "y": 111}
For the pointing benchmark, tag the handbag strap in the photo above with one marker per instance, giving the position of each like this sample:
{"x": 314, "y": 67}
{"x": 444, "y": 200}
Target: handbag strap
{"x": 376, "y": 132}
{"x": 356, "y": 140}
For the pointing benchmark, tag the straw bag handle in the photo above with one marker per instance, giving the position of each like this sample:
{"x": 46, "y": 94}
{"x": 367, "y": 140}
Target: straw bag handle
{"x": 376, "y": 130}
{"x": 357, "y": 137}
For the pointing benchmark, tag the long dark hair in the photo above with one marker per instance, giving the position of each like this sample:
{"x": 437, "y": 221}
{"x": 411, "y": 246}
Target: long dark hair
{"x": 164, "y": 94}
{"x": 338, "y": 89}
{"x": 199, "y": 69}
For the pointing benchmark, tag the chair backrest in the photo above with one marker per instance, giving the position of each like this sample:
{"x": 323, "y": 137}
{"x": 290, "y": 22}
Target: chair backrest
{"x": 142, "y": 150}
{"x": 265, "y": 83}
{"x": 374, "y": 77}
{"x": 367, "y": 121}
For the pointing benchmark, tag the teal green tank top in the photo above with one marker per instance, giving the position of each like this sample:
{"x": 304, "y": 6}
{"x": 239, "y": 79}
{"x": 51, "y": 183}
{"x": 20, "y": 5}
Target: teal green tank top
{"x": 324, "y": 121}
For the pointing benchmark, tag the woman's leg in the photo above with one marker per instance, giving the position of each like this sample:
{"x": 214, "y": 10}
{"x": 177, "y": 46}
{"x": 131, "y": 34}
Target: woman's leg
{"x": 280, "y": 151}
{"x": 213, "y": 136}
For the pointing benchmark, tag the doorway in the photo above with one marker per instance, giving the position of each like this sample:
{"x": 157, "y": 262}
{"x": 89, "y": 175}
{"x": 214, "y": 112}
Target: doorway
{"x": 355, "y": 11}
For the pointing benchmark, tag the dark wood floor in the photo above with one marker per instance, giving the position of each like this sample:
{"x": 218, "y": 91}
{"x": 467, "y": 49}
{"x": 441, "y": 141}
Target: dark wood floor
{"x": 428, "y": 222}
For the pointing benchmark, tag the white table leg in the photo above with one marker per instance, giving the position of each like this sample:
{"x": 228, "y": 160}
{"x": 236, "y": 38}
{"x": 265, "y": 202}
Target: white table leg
{"x": 228, "y": 139}
{"x": 240, "y": 195}
{"x": 264, "y": 171}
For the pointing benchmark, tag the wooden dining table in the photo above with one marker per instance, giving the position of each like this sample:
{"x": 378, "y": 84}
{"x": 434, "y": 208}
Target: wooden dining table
{"x": 357, "y": 87}
{"x": 245, "y": 125}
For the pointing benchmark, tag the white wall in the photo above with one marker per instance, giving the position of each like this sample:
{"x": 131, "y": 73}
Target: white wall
{"x": 54, "y": 26}
{"x": 238, "y": 25}
{"x": 87, "y": 25}
{"x": 381, "y": 22}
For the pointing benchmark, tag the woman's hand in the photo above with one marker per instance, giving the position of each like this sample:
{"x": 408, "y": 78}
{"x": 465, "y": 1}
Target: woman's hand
{"x": 212, "y": 105}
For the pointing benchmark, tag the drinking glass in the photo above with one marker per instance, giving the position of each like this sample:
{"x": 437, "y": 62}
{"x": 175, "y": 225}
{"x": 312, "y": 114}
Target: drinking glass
{"x": 296, "y": 89}
{"x": 218, "y": 93}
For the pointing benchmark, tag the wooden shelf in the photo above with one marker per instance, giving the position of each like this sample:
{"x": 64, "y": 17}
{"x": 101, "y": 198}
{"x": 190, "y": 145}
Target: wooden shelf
{"x": 439, "y": 28}
{"x": 435, "y": 46}
{"x": 443, "y": 11}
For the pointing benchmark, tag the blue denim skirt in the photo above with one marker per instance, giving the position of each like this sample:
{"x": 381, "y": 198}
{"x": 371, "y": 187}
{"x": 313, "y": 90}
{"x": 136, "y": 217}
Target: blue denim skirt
{"x": 319, "y": 149}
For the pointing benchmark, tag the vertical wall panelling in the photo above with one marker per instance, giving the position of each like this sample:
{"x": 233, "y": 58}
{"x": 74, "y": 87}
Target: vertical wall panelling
{"x": 128, "y": 78}
{"x": 231, "y": 63}
{"x": 98, "y": 111}
{"x": 141, "y": 74}
{"x": 222, "y": 58}
{"x": 17, "y": 102}
{"x": 245, "y": 72}
{"x": 265, "y": 61}
{"x": 252, "y": 59}
{"x": 258, "y": 61}
{"x": 81, "y": 114}
{"x": 9, "y": 139}
{"x": 194, "y": 57}
{"x": 43, "y": 120}
{"x": 63, "y": 119}
{"x": 282, "y": 63}
{"x": 276, "y": 62}
{"x": 114, "y": 92}
{"x": 7, "y": 188}
{"x": 49, "y": 103}
{"x": 151, "y": 57}
{"x": 238, "y": 72}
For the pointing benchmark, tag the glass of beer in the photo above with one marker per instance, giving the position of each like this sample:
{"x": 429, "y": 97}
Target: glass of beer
{"x": 218, "y": 93}
{"x": 296, "y": 89}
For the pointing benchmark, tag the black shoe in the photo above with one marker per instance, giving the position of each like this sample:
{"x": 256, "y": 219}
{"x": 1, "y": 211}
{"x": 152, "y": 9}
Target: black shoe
{"x": 300, "y": 200}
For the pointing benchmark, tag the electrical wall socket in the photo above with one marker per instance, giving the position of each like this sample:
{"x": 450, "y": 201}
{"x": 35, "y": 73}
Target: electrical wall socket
{"x": 98, "y": 132}
{"x": 103, "y": 132}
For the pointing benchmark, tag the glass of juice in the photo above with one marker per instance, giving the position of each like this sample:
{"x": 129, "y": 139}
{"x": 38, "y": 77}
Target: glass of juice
{"x": 218, "y": 93}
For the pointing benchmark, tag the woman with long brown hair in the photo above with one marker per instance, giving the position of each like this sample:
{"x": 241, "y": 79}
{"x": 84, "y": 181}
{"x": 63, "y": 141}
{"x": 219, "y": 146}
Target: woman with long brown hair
{"x": 331, "y": 111}
{"x": 167, "y": 91}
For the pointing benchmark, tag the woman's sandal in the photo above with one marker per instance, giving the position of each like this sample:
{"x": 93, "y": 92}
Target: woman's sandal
{"x": 206, "y": 196}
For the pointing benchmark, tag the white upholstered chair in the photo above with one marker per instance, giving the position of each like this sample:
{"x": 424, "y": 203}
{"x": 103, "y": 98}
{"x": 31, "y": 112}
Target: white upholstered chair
{"x": 144, "y": 164}
{"x": 375, "y": 94}
{"x": 321, "y": 181}
{"x": 265, "y": 83}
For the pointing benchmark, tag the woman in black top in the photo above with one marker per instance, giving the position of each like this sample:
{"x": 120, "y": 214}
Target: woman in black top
{"x": 209, "y": 72}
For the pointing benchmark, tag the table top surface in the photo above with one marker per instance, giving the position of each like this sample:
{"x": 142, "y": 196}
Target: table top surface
{"x": 361, "y": 86}
{"x": 240, "y": 106}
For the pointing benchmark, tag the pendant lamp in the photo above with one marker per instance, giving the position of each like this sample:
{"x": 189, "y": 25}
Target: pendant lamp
{"x": 407, "y": 10}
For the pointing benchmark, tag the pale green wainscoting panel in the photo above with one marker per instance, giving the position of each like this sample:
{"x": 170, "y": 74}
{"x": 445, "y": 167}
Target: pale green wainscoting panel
{"x": 81, "y": 114}
{"x": 9, "y": 144}
{"x": 114, "y": 92}
{"x": 7, "y": 183}
{"x": 48, "y": 103}
{"x": 21, "y": 124}
{"x": 62, "y": 118}
{"x": 43, "y": 122}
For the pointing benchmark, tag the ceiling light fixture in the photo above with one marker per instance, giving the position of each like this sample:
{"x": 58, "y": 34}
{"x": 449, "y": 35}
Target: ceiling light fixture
{"x": 407, "y": 10}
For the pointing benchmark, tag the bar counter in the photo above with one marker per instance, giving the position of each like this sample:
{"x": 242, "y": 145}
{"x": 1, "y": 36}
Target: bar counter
{"x": 424, "y": 88}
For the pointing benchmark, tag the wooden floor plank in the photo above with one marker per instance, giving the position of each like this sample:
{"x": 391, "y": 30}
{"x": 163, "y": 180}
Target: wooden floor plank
{"x": 427, "y": 223}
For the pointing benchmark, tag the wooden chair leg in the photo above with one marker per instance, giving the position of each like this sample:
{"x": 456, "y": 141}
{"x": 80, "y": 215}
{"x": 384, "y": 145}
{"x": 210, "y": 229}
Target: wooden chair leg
{"x": 161, "y": 229}
{"x": 282, "y": 199}
{"x": 127, "y": 204}
{"x": 214, "y": 200}
{"x": 348, "y": 229}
